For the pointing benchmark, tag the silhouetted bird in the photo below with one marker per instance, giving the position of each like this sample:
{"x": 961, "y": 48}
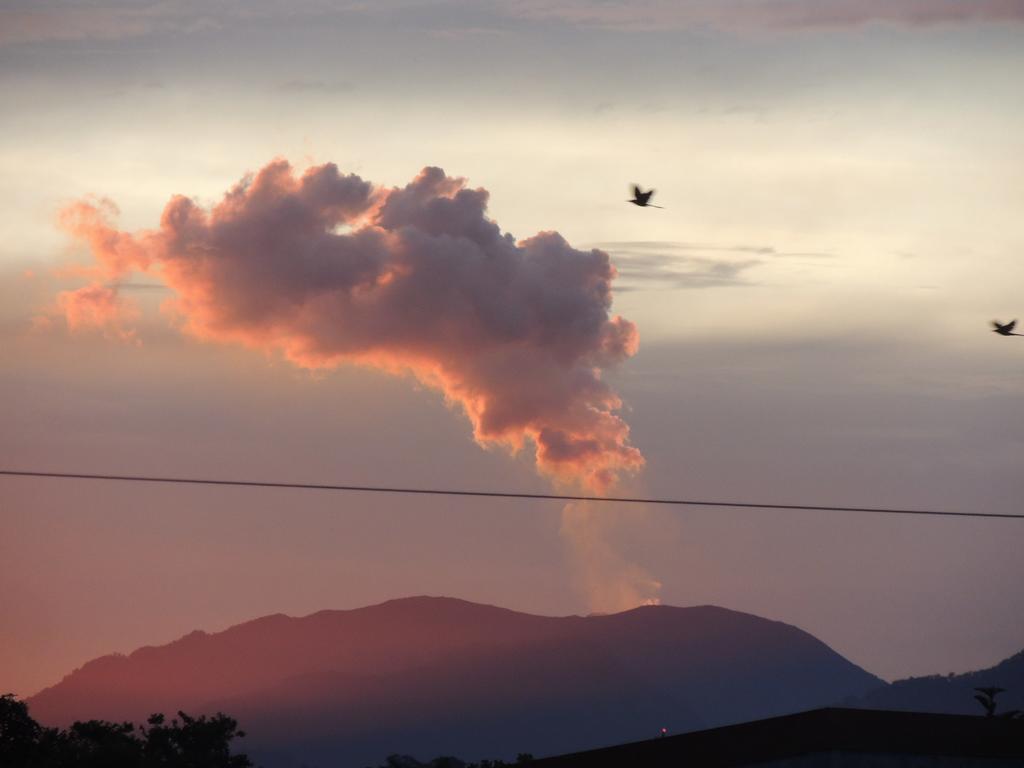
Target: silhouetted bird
{"x": 642, "y": 198}
{"x": 1005, "y": 330}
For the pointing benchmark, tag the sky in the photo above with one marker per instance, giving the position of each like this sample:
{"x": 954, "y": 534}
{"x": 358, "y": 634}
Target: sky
{"x": 805, "y": 321}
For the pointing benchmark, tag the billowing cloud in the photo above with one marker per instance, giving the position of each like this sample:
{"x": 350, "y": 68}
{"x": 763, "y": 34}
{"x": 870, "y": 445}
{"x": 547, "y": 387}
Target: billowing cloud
{"x": 327, "y": 269}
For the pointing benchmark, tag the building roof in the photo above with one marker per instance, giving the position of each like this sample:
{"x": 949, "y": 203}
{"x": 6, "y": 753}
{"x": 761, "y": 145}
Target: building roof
{"x": 819, "y": 730}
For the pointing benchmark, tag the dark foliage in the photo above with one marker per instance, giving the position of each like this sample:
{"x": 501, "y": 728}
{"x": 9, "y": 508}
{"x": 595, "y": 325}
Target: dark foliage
{"x": 187, "y": 742}
{"x": 987, "y": 698}
{"x": 404, "y": 761}
{"x": 955, "y": 694}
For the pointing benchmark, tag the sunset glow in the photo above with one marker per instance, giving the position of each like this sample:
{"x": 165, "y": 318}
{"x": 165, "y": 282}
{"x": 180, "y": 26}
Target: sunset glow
{"x": 389, "y": 244}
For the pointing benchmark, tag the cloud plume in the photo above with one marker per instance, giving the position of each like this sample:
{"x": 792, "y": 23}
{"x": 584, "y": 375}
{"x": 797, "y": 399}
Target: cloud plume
{"x": 326, "y": 269}
{"x": 608, "y": 580}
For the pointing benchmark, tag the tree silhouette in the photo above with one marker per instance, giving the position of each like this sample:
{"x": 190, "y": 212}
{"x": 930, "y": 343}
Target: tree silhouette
{"x": 94, "y": 744}
{"x": 987, "y": 698}
{"x": 187, "y": 742}
{"x": 196, "y": 741}
{"x": 405, "y": 761}
{"x": 19, "y": 733}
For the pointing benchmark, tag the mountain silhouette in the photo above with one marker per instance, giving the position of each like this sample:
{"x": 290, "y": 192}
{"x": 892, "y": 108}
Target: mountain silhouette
{"x": 429, "y": 676}
{"x": 951, "y": 694}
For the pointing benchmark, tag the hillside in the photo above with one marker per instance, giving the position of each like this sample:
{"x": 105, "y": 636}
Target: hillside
{"x": 951, "y": 694}
{"x": 431, "y": 676}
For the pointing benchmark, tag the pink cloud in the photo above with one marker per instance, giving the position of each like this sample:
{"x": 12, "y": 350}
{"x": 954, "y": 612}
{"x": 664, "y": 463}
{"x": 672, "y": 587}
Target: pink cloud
{"x": 326, "y": 269}
{"x": 97, "y": 307}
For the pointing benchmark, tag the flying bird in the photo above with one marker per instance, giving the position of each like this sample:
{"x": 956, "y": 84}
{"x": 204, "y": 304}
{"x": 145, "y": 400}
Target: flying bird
{"x": 1005, "y": 330}
{"x": 642, "y": 198}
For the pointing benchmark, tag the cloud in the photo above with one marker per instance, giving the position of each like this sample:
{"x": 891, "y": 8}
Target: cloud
{"x": 96, "y": 307}
{"x": 31, "y": 22}
{"x": 26, "y": 22}
{"x": 801, "y": 13}
{"x": 139, "y": 287}
{"x": 646, "y": 247}
{"x": 676, "y": 265}
{"x": 326, "y": 269}
{"x": 317, "y": 87}
{"x": 680, "y": 272}
{"x": 28, "y": 25}
{"x": 647, "y": 265}
{"x": 731, "y": 14}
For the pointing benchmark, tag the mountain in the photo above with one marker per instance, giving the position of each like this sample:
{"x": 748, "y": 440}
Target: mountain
{"x": 430, "y": 676}
{"x": 951, "y": 694}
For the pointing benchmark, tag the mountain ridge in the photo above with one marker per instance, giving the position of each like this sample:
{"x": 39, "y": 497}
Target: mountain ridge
{"x": 435, "y": 675}
{"x": 951, "y": 694}
{"x": 278, "y": 617}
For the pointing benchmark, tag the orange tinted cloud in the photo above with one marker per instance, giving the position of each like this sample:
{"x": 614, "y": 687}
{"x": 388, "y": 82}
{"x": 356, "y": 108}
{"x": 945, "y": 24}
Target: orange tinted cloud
{"x": 326, "y": 269}
{"x": 97, "y": 307}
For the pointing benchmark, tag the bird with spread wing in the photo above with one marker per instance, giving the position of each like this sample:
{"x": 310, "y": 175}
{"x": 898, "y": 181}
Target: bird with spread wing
{"x": 641, "y": 198}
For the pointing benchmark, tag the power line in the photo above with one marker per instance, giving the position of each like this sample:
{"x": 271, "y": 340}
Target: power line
{"x": 501, "y": 494}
